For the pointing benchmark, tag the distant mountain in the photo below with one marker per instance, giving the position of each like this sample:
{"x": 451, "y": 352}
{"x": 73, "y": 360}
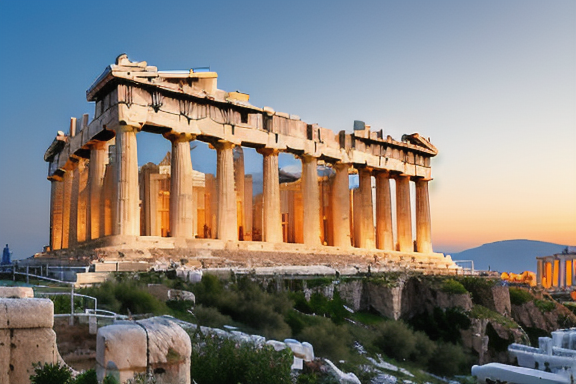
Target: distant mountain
{"x": 509, "y": 255}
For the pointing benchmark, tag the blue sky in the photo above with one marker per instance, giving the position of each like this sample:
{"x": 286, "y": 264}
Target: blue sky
{"x": 491, "y": 83}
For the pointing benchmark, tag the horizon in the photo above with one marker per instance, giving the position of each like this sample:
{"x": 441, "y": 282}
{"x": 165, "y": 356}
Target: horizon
{"x": 492, "y": 84}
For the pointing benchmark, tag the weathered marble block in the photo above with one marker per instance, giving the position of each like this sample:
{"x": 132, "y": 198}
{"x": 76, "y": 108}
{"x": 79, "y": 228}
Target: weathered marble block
{"x": 156, "y": 345}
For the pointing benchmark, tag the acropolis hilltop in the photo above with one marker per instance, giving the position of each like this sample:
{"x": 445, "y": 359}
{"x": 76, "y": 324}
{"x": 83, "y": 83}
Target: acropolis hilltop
{"x": 106, "y": 209}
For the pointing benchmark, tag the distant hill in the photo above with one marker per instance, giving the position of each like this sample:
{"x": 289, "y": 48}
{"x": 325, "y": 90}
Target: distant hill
{"x": 509, "y": 255}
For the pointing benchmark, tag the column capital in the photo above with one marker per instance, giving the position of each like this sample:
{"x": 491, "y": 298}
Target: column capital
{"x": 177, "y": 137}
{"x": 340, "y": 165}
{"x": 307, "y": 158}
{"x": 421, "y": 179}
{"x": 125, "y": 128}
{"x": 268, "y": 151}
{"x": 222, "y": 144}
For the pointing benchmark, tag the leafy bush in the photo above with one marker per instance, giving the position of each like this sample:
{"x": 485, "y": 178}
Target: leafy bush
{"x": 245, "y": 302}
{"x": 329, "y": 340}
{"x": 224, "y": 361}
{"x": 48, "y": 373}
{"x": 211, "y": 317}
{"x": 396, "y": 340}
{"x": 519, "y": 296}
{"x": 88, "y": 377}
{"x": 453, "y": 287}
{"x": 448, "y": 360}
{"x": 51, "y": 374}
{"x": 126, "y": 297}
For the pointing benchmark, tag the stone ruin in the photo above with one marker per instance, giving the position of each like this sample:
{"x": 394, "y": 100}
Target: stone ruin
{"x": 157, "y": 346}
{"x": 103, "y": 209}
{"x": 26, "y": 334}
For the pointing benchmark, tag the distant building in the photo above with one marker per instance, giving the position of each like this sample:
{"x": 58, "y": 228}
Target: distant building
{"x": 557, "y": 272}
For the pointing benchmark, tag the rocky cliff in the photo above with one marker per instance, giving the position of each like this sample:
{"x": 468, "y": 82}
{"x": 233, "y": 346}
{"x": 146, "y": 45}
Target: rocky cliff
{"x": 493, "y": 321}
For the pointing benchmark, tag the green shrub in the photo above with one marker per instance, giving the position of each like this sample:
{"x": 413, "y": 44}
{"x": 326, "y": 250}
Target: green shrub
{"x": 448, "y": 360}
{"x": 453, "y": 287}
{"x": 211, "y": 317}
{"x": 329, "y": 340}
{"x": 88, "y": 377}
{"x": 246, "y": 302}
{"x": 224, "y": 361}
{"x": 126, "y": 297}
{"x": 51, "y": 374}
{"x": 396, "y": 340}
{"x": 519, "y": 296}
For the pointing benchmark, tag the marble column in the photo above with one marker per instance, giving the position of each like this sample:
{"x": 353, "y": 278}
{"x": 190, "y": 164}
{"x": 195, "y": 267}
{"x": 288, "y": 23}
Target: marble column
{"x": 384, "y": 230}
{"x": 238, "y": 153}
{"x": 83, "y": 217}
{"x": 403, "y": 214}
{"x": 74, "y": 197}
{"x": 96, "y": 169}
{"x": 56, "y": 207}
{"x": 127, "y": 210}
{"x": 311, "y": 200}
{"x": 423, "y": 221}
{"x": 181, "y": 187}
{"x": 227, "y": 211}
{"x": 367, "y": 210}
{"x": 539, "y": 272}
{"x": 271, "y": 213}
{"x": 340, "y": 201}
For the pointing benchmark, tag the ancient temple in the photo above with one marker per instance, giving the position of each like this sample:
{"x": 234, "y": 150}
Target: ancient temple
{"x": 99, "y": 193}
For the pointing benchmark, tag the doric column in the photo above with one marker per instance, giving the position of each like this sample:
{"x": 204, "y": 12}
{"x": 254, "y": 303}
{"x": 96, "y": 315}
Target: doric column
{"x": 272, "y": 216}
{"x": 96, "y": 169}
{"x": 403, "y": 214}
{"x": 423, "y": 221}
{"x": 384, "y": 230}
{"x": 311, "y": 202}
{"x": 181, "y": 187}
{"x": 74, "y": 197}
{"x": 239, "y": 188}
{"x": 83, "y": 218}
{"x": 539, "y": 272}
{"x": 227, "y": 211}
{"x": 248, "y": 214}
{"x": 127, "y": 212}
{"x": 562, "y": 273}
{"x": 340, "y": 202}
{"x": 56, "y": 208}
{"x": 367, "y": 210}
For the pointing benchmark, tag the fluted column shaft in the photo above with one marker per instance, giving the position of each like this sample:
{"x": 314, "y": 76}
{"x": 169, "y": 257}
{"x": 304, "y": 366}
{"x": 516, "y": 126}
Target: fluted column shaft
{"x": 367, "y": 210}
{"x": 403, "y": 214}
{"x": 272, "y": 215}
{"x": 384, "y": 230}
{"x": 423, "y": 220}
{"x": 311, "y": 200}
{"x": 96, "y": 169}
{"x": 227, "y": 212}
{"x": 181, "y": 188}
{"x": 56, "y": 208}
{"x": 340, "y": 202}
{"x": 127, "y": 215}
{"x": 74, "y": 197}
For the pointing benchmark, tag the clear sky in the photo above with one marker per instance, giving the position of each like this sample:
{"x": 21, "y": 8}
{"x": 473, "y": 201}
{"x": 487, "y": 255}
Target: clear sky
{"x": 492, "y": 83}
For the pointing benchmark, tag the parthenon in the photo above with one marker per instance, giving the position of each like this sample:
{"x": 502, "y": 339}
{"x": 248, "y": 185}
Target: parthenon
{"x": 100, "y": 195}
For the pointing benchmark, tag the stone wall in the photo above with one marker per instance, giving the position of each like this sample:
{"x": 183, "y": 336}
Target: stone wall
{"x": 26, "y": 334}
